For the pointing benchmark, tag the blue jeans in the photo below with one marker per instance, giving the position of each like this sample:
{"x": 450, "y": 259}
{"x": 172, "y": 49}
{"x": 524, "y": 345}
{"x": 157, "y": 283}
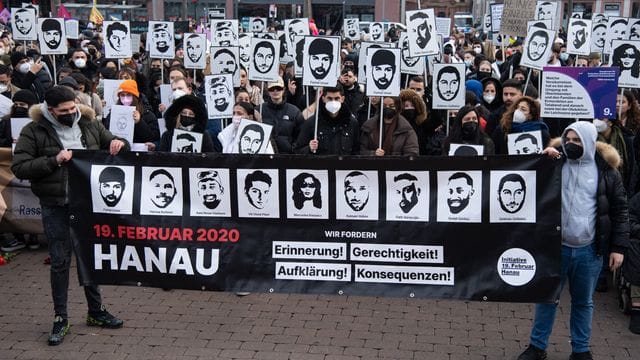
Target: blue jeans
{"x": 55, "y": 220}
{"x": 581, "y": 267}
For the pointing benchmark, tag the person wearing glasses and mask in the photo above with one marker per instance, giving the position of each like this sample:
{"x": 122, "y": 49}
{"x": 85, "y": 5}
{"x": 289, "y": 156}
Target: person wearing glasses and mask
{"x": 285, "y": 118}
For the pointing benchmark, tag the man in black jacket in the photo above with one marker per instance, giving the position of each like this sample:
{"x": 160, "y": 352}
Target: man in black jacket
{"x": 353, "y": 96}
{"x": 338, "y": 129}
{"x": 285, "y": 118}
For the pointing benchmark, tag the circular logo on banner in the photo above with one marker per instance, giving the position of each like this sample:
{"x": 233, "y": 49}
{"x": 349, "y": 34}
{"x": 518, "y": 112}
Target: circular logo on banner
{"x": 516, "y": 267}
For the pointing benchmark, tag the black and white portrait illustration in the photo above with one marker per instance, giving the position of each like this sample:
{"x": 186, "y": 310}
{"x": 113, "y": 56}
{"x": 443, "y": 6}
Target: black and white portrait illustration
{"x": 579, "y": 37}
{"x": 112, "y": 189}
{"x": 117, "y": 39}
{"x": 160, "y": 37}
{"x": 357, "y": 195}
{"x": 264, "y": 60}
{"x": 598, "y": 36}
{"x": 258, "y": 194}
{"x": 209, "y": 192}
{"x": 376, "y": 32}
{"x": 362, "y": 54}
{"x": 486, "y": 24}
{"x": 466, "y": 150}
{"x": 548, "y": 10}
{"x": 626, "y": 56}
{"x": 307, "y": 194}
{"x": 219, "y": 95}
{"x": 543, "y": 24}
{"x": 352, "y": 28}
{"x": 421, "y": 27}
{"x": 293, "y": 28}
{"x": 525, "y": 143}
{"x": 257, "y": 24}
{"x": 409, "y": 65}
{"x": 52, "y": 36}
{"x": 383, "y": 72}
{"x": 186, "y": 141}
{"x": 616, "y": 30}
{"x": 253, "y": 137}
{"x": 322, "y": 61}
{"x": 224, "y": 32}
{"x": 459, "y": 196}
{"x": 298, "y": 48}
{"x": 244, "y": 40}
{"x": 449, "y": 86}
{"x": 226, "y": 60}
{"x": 195, "y": 46}
{"x": 599, "y": 18}
{"x": 161, "y": 192}
{"x": 285, "y": 57}
{"x": 513, "y": 196}
{"x": 634, "y": 29}
{"x": 537, "y": 48}
{"x": 407, "y": 195}
{"x": 23, "y": 21}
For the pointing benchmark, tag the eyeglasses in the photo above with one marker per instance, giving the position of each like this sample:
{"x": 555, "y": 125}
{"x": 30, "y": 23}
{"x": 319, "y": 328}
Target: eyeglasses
{"x": 630, "y": 56}
{"x": 307, "y": 185}
{"x": 276, "y": 88}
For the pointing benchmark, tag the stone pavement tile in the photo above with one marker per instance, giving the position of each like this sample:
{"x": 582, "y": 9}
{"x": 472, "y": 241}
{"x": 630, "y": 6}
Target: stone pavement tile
{"x": 246, "y": 337}
{"x": 305, "y": 356}
{"x": 35, "y": 354}
{"x": 108, "y": 356}
{"x": 236, "y": 354}
{"x": 224, "y": 344}
{"x": 257, "y": 346}
{"x": 395, "y": 354}
{"x": 71, "y": 355}
{"x": 204, "y": 352}
{"x": 420, "y": 355}
{"x": 190, "y": 343}
{"x": 93, "y": 347}
{"x": 313, "y": 340}
{"x": 272, "y": 355}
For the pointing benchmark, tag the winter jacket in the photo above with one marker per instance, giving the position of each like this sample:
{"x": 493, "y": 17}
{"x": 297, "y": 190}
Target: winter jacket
{"x": 171, "y": 119}
{"x": 336, "y": 136}
{"x": 146, "y": 130}
{"x": 405, "y": 140}
{"x": 34, "y": 158}
{"x": 631, "y": 264}
{"x": 286, "y": 120}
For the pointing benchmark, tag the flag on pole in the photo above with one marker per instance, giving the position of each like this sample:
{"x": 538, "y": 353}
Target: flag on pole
{"x": 95, "y": 16}
{"x": 63, "y": 13}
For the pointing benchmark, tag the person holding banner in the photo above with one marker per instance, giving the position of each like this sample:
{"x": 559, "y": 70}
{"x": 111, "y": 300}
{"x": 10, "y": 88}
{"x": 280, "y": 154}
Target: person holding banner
{"x": 43, "y": 149}
{"x": 398, "y": 137}
{"x": 522, "y": 116}
{"x": 466, "y": 129}
{"x": 595, "y": 222}
{"x": 631, "y": 266}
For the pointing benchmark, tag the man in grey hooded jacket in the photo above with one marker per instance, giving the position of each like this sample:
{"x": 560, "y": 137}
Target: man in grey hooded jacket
{"x": 595, "y": 223}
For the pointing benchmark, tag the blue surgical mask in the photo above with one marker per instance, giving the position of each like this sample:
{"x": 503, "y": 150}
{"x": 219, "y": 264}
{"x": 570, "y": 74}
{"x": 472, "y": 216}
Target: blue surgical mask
{"x": 564, "y": 56}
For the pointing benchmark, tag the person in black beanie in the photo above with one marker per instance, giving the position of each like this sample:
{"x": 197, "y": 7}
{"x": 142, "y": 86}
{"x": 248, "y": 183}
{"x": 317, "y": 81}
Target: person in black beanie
{"x": 25, "y": 74}
{"x": 22, "y": 101}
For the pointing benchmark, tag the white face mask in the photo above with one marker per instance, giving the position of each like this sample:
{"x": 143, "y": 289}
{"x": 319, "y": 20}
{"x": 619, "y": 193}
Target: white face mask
{"x": 2, "y": 51}
{"x": 177, "y": 94}
{"x": 601, "y": 125}
{"x": 333, "y": 106}
{"x": 519, "y": 117}
{"x": 24, "y": 68}
{"x": 477, "y": 50}
{"x": 80, "y": 63}
{"x": 3, "y": 88}
{"x": 488, "y": 98}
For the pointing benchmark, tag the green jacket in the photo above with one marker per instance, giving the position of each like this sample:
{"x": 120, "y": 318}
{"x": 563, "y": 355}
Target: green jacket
{"x": 34, "y": 157}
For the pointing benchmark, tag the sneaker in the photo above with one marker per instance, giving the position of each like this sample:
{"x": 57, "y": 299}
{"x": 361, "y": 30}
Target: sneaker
{"x": 13, "y": 245}
{"x": 60, "y": 329}
{"x": 32, "y": 242}
{"x": 581, "y": 356}
{"x": 533, "y": 353}
{"x": 104, "y": 319}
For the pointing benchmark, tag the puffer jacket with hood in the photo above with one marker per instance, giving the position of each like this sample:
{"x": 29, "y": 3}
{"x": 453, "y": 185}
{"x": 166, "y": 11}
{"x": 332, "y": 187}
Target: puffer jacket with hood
{"x": 286, "y": 120}
{"x": 336, "y": 136}
{"x": 34, "y": 158}
{"x": 603, "y": 218}
{"x": 171, "y": 119}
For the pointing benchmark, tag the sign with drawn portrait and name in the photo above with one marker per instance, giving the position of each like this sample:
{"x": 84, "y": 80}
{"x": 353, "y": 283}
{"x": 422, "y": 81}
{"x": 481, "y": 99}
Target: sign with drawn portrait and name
{"x": 353, "y": 225}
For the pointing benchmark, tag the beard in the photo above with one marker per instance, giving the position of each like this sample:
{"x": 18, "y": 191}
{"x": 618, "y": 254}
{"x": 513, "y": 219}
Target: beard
{"x": 221, "y": 104}
{"x": 162, "y": 47}
{"x": 457, "y": 205}
{"x": 382, "y": 83}
{"x": 210, "y": 201}
{"x": 111, "y": 200}
{"x": 319, "y": 72}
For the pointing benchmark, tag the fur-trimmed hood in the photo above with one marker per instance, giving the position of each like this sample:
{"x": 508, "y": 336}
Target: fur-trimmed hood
{"x": 36, "y": 114}
{"x": 606, "y": 151}
{"x": 187, "y": 101}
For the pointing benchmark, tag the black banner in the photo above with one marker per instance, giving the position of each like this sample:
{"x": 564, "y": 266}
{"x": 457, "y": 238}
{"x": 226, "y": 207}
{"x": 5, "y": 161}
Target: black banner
{"x": 480, "y": 228}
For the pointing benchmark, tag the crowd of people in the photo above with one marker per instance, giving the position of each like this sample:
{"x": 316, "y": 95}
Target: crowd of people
{"x": 499, "y": 102}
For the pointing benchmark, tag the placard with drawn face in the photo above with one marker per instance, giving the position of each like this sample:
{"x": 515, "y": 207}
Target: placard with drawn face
{"x": 459, "y": 196}
{"x": 298, "y": 46}
{"x": 356, "y": 195}
{"x": 634, "y": 29}
{"x": 407, "y": 195}
{"x": 72, "y": 28}
{"x": 258, "y": 193}
{"x": 244, "y": 40}
{"x": 537, "y": 48}
{"x": 24, "y": 24}
{"x": 112, "y": 189}
{"x": 253, "y": 137}
{"x": 579, "y": 37}
{"x": 383, "y": 72}
{"x": 52, "y": 36}
{"x": 160, "y": 39}
{"x": 266, "y": 35}
{"x": 219, "y": 95}
{"x": 264, "y": 59}
{"x": 486, "y": 25}
{"x": 577, "y": 15}
{"x": 421, "y": 28}
{"x": 409, "y": 65}
{"x": 293, "y": 28}
{"x": 599, "y": 35}
{"x": 121, "y": 122}
{"x": 626, "y": 56}
{"x": 186, "y": 141}
{"x": 466, "y": 150}
{"x": 599, "y": 18}
{"x": 117, "y": 39}
{"x": 226, "y": 60}
{"x": 321, "y": 60}
{"x": 548, "y": 10}
{"x": 195, "y": 48}
{"x": 210, "y": 192}
{"x": 224, "y": 32}
{"x": 352, "y": 28}
{"x": 161, "y": 192}
{"x": 307, "y": 194}
{"x": 257, "y": 24}
{"x": 513, "y": 197}
{"x": 525, "y": 143}
{"x": 449, "y": 85}
{"x": 285, "y": 57}
{"x": 376, "y": 32}
{"x": 616, "y": 30}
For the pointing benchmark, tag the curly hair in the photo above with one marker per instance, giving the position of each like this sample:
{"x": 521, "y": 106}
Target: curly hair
{"x": 421, "y": 108}
{"x": 506, "y": 122}
{"x": 633, "y": 114}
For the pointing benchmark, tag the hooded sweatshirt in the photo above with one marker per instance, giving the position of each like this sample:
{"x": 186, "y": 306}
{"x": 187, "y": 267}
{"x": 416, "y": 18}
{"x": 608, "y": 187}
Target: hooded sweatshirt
{"x": 70, "y": 137}
{"x": 579, "y": 189}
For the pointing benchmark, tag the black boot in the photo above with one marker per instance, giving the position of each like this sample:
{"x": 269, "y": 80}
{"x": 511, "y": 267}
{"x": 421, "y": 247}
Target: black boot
{"x": 634, "y": 323}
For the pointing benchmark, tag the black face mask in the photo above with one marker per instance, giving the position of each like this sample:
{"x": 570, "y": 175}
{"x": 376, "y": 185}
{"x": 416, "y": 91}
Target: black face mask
{"x": 409, "y": 114}
{"x": 20, "y": 112}
{"x": 483, "y": 75}
{"x": 469, "y": 130}
{"x": 389, "y": 113}
{"x": 573, "y": 151}
{"x": 187, "y": 120}
{"x": 66, "y": 119}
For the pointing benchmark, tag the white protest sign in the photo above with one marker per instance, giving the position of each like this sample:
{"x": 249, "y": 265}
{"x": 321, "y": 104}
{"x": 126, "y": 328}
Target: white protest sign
{"x": 525, "y": 143}
{"x": 24, "y": 24}
{"x": 466, "y": 150}
{"x": 51, "y": 36}
{"x": 16, "y": 127}
{"x": 160, "y": 39}
{"x": 219, "y": 95}
{"x": 195, "y": 46}
{"x": 109, "y": 93}
{"x": 226, "y": 60}
{"x": 117, "y": 39}
{"x": 626, "y": 56}
{"x": 421, "y": 28}
{"x": 383, "y": 72}
{"x": 443, "y": 26}
{"x": 409, "y": 65}
{"x": 351, "y": 28}
{"x": 121, "y": 122}
{"x": 321, "y": 60}
{"x": 515, "y": 15}
{"x": 224, "y": 32}
{"x": 449, "y": 86}
{"x": 364, "y": 46}
{"x": 72, "y": 28}
{"x": 186, "y": 141}
{"x": 253, "y": 138}
{"x": 265, "y": 58}
{"x": 537, "y": 48}
{"x": 579, "y": 37}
